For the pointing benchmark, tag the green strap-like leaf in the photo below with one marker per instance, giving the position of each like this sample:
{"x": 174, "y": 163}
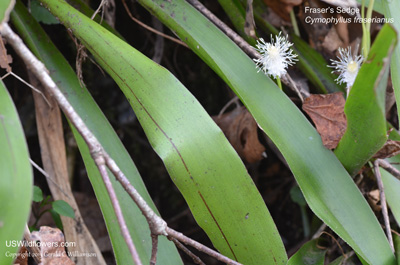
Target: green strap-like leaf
{"x": 327, "y": 187}
{"x": 365, "y": 105}
{"x": 391, "y": 10}
{"x": 86, "y": 107}
{"x": 392, "y": 187}
{"x": 200, "y": 160}
{"x": 308, "y": 254}
{"x": 15, "y": 179}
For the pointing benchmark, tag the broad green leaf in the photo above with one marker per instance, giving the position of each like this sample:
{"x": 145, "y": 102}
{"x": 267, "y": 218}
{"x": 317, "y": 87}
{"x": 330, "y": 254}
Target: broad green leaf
{"x": 86, "y": 107}
{"x": 15, "y": 179}
{"x": 41, "y": 14}
{"x": 396, "y": 241}
{"x": 37, "y": 194}
{"x": 365, "y": 105}
{"x": 392, "y": 192}
{"x": 308, "y": 254}
{"x": 392, "y": 185}
{"x": 6, "y": 6}
{"x": 198, "y": 157}
{"x": 85, "y": 9}
{"x": 63, "y": 208}
{"x": 391, "y": 10}
{"x": 57, "y": 219}
{"x": 327, "y": 187}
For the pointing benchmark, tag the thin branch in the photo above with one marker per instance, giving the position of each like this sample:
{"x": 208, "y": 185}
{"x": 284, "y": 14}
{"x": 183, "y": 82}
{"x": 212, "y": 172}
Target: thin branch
{"x": 150, "y": 28}
{"x": 247, "y": 48}
{"x": 337, "y": 243}
{"x": 103, "y": 161}
{"x": 41, "y": 170}
{"x": 27, "y": 84}
{"x": 383, "y": 203}
{"x": 188, "y": 241}
{"x": 154, "y": 246}
{"x": 42, "y": 74}
{"x": 196, "y": 259}
{"x": 99, "y": 160}
{"x": 103, "y": 2}
{"x": 235, "y": 100}
{"x": 319, "y": 231}
{"x": 387, "y": 166}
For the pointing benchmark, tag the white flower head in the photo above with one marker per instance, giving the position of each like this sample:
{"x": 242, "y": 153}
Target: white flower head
{"x": 347, "y": 66}
{"x": 276, "y": 56}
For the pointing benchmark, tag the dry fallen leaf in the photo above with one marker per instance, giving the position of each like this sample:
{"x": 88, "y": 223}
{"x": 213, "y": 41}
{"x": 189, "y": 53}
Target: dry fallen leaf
{"x": 5, "y": 59}
{"x": 282, "y": 7}
{"x": 241, "y": 130}
{"x": 327, "y": 113}
{"x": 51, "y": 246}
{"x": 391, "y": 148}
{"x": 374, "y": 200}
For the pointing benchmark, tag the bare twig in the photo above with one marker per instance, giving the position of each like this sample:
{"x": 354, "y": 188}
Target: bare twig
{"x": 103, "y": 161}
{"x": 150, "y": 28}
{"x": 188, "y": 241}
{"x": 391, "y": 169}
{"x": 319, "y": 231}
{"x": 41, "y": 170}
{"x": 337, "y": 243}
{"x": 27, "y": 84}
{"x": 383, "y": 203}
{"x": 103, "y": 2}
{"x": 235, "y": 100}
{"x": 41, "y": 73}
{"x": 196, "y": 259}
{"x": 247, "y": 48}
{"x": 99, "y": 160}
{"x": 154, "y": 246}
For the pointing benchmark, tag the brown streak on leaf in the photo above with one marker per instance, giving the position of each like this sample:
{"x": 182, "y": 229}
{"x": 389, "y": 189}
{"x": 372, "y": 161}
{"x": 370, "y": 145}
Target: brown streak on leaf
{"x": 216, "y": 222}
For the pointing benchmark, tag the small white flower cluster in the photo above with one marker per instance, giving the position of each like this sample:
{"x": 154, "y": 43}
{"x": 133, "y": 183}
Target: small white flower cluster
{"x": 276, "y": 56}
{"x": 347, "y": 66}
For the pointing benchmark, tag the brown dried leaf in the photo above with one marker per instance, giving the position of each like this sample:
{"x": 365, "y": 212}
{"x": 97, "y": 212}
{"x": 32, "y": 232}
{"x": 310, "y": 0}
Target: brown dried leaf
{"x": 391, "y": 148}
{"x": 51, "y": 246}
{"x": 241, "y": 130}
{"x": 282, "y": 7}
{"x": 374, "y": 200}
{"x": 5, "y": 59}
{"x": 327, "y": 113}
